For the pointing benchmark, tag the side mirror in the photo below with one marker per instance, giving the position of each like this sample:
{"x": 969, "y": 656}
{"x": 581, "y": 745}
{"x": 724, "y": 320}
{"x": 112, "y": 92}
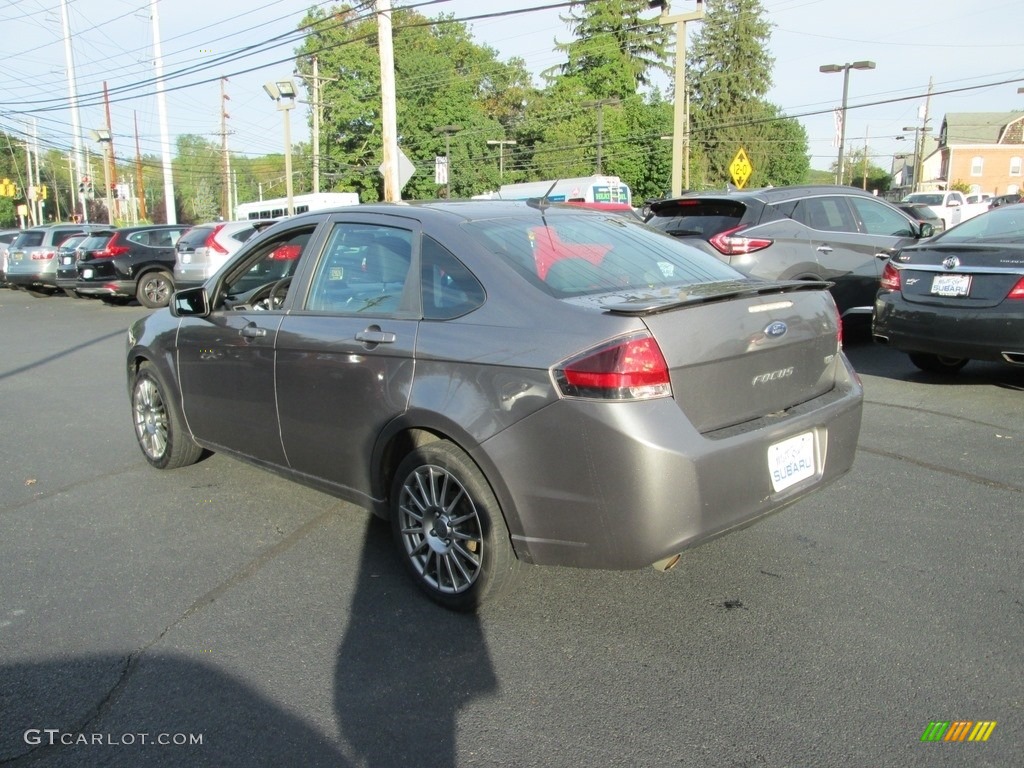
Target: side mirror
{"x": 191, "y": 302}
{"x": 927, "y": 230}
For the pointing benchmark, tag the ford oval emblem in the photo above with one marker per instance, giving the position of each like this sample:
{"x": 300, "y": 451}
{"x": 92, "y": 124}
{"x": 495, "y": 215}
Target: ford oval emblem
{"x": 776, "y": 330}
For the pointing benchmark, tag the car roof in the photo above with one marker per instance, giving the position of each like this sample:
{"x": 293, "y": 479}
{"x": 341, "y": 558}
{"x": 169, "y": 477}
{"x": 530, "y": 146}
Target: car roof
{"x": 770, "y": 194}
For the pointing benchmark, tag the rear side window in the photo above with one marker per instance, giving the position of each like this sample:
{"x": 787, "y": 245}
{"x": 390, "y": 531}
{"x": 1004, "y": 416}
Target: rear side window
{"x": 449, "y": 289}
{"x": 28, "y": 239}
{"x": 698, "y": 218}
{"x": 825, "y": 214}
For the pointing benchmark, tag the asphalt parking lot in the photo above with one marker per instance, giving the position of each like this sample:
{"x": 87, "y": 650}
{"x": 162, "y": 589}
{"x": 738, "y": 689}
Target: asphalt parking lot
{"x": 219, "y": 615}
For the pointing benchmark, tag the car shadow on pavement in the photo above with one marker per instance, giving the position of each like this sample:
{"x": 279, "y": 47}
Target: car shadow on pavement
{"x": 405, "y": 666}
{"x": 173, "y": 712}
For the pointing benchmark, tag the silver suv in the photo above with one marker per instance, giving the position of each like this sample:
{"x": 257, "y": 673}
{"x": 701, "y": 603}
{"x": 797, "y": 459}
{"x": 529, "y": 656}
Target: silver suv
{"x": 203, "y": 249}
{"x": 32, "y": 256}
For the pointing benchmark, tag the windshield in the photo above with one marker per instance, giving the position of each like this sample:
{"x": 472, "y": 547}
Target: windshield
{"x": 1000, "y": 225}
{"x": 574, "y": 255}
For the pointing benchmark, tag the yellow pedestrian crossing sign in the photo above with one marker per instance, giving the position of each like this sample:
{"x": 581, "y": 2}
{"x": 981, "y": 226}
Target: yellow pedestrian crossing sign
{"x": 740, "y": 169}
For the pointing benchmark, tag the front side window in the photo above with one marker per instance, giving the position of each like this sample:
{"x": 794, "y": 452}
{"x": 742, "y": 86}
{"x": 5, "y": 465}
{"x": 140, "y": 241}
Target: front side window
{"x": 261, "y": 281}
{"x": 363, "y": 271}
{"x": 878, "y": 219}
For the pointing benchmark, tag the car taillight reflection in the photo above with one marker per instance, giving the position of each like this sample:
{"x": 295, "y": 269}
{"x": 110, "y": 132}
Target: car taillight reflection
{"x": 211, "y": 241}
{"x": 631, "y": 369}
{"x": 728, "y": 243}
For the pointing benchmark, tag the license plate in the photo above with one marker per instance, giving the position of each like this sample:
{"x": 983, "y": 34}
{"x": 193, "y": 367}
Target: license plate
{"x": 16, "y": 256}
{"x": 791, "y": 461}
{"x": 186, "y": 258}
{"x": 951, "y": 285}
{"x": 66, "y": 260}
{"x": 86, "y": 273}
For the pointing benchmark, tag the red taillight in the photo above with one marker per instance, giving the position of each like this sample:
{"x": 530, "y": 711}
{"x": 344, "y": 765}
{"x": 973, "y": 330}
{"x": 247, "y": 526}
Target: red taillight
{"x": 890, "y": 278}
{"x": 839, "y": 325}
{"x": 728, "y": 243}
{"x": 632, "y": 369}
{"x": 111, "y": 249}
{"x": 1017, "y": 292}
{"x": 43, "y": 255}
{"x": 211, "y": 241}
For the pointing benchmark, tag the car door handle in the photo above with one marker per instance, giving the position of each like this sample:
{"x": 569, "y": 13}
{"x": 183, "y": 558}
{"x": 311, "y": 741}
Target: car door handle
{"x": 252, "y": 332}
{"x": 824, "y": 249}
{"x": 376, "y": 336}
{"x": 883, "y": 256}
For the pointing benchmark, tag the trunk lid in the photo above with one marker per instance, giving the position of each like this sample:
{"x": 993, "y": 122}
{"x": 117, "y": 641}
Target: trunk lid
{"x": 972, "y": 276}
{"x": 740, "y": 351}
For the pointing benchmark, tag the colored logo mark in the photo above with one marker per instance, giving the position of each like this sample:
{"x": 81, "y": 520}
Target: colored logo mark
{"x": 958, "y": 730}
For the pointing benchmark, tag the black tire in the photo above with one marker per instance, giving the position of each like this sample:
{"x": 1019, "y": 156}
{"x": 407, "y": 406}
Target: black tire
{"x": 154, "y": 289}
{"x": 449, "y": 529}
{"x": 39, "y": 293}
{"x": 159, "y": 426}
{"x": 937, "y": 363}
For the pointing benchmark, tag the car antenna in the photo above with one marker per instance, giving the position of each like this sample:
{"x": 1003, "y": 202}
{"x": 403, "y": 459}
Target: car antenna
{"x": 542, "y": 202}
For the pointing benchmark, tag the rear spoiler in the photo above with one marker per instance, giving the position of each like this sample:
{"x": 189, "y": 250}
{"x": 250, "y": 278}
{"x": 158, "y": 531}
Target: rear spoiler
{"x": 705, "y": 294}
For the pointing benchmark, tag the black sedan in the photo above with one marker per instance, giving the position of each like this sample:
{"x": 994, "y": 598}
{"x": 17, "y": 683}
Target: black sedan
{"x": 958, "y": 296}
{"x": 506, "y": 382}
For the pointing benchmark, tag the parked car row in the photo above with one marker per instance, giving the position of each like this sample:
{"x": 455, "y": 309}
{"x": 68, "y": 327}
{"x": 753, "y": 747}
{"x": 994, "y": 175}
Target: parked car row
{"x": 944, "y": 296}
{"x": 146, "y": 262}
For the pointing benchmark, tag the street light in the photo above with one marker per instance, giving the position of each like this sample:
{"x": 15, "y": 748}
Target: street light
{"x": 448, "y": 130}
{"x": 845, "y": 69}
{"x": 501, "y": 154}
{"x": 283, "y": 92}
{"x": 601, "y": 104}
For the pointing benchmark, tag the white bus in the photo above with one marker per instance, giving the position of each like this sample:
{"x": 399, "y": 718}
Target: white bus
{"x": 278, "y": 206}
{"x": 587, "y": 189}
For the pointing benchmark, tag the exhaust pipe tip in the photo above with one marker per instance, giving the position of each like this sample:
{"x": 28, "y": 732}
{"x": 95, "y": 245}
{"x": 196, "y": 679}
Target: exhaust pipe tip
{"x": 1014, "y": 358}
{"x": 667, "y": 564}
{"x": 880, "y": 339}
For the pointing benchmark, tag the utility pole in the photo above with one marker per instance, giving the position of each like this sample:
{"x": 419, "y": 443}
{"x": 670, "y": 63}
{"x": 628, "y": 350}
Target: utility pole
{"x": 501, "y": 144}
{"x": 389, "y": 116}
{"x": 29, "y": 185}
{"x": 601, "y": 104}
{"x": 138, "y": 171}
{"x": 225, "y": 194}
{"x": 76, "y": 129}
{"x": 111, "y": 169}
{"x": 161, "y": 103}
{"x": 680, "y": 113}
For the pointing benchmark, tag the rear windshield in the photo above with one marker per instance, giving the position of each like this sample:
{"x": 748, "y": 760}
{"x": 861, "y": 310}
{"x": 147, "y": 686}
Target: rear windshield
{"x": 95, "y": 242}
{"x": 700, "y": 218}
{"x": 28, "y": 239}
{"x": 1004, "y": 224}
{"x": 194, "y": 237}
{"x": 573, "y": 255}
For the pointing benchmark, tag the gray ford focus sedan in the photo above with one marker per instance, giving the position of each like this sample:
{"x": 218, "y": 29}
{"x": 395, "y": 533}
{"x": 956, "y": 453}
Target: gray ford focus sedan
{"x": 506, "y": 382}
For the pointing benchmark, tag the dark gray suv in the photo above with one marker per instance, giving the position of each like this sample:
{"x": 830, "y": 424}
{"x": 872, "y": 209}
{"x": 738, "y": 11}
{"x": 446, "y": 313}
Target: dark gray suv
{"x": 840, "y": 234}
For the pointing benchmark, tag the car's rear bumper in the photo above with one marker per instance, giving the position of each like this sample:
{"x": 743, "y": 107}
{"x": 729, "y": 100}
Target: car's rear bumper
{"x": 32, "y": 279}
{"x": 624, "y": 485}
{"x": 990, "y": 333}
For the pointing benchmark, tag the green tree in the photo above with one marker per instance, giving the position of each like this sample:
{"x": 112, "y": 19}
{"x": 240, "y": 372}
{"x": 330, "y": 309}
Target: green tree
{"x": 197, "y": 177}
{"x": 729, "y": 75}
{"x": 442, "y": 79}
